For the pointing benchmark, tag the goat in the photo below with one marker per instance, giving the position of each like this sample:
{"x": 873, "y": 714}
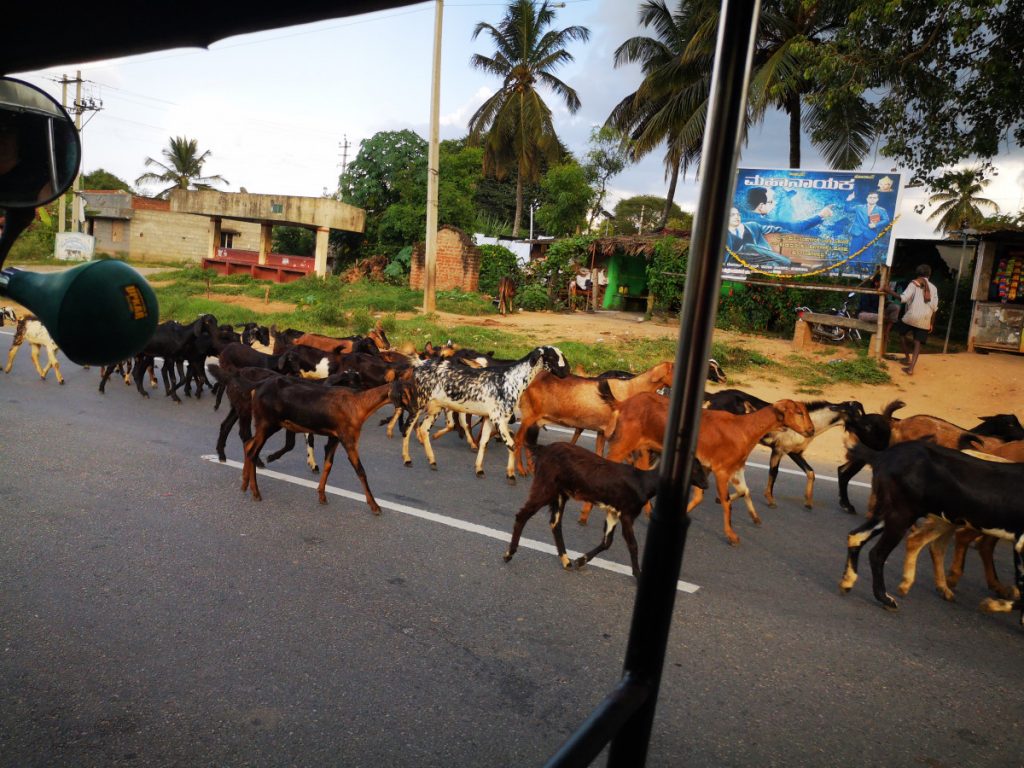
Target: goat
{"x": 715, "y": 374}
{"x": 490, "y": 392}
{"x": 724, "y": 442}
{"x": 506, "y": 293}
{"x": 1002, "y": 425}
{"x": 786, "y": 442}
{"x": 566, "y": 471}
{"x": 336, "y": 412}
{"x": 878, "y": 431}
{"x": 29, "y": 328}
{"x": 575, "y": 401}
{"x": 913, "y": 478}
{"x": 171, "y": 341}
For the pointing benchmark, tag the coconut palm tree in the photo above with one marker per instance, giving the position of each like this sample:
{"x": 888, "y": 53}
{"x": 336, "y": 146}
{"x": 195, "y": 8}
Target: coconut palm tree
{"x": 959, "y": 201}
{"x": 670, "y": 106}
{"x": 182, "y": 167}
{"x": 514, "y": 125}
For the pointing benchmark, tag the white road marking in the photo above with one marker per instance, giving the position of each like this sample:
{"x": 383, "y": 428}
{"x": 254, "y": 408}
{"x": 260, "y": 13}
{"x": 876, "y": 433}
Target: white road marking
{"x": 754, "y": 464}
{"x": 481, "y": 530}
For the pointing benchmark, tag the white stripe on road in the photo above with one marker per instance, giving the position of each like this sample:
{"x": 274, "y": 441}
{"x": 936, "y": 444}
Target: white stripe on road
{"x": 754, "y": 464}
{"x": 451, "y": 522}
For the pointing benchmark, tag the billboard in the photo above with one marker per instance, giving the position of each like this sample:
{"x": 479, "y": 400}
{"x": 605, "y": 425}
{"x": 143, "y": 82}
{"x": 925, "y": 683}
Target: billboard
{"x": 800, "y": 223}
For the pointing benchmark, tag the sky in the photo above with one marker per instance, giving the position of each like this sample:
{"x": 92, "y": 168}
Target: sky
{"x": 274, "y": 108}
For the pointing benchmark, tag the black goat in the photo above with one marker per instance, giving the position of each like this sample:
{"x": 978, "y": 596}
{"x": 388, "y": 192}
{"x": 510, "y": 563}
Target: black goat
{"x": 1005, "y": 426}
{"x": 171, "y": 341}
{"x": 565, "y": 471}
{"x": 915, "y": 478}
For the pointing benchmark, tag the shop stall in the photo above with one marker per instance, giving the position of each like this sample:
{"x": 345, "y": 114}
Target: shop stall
{"x": 997, "y": 322}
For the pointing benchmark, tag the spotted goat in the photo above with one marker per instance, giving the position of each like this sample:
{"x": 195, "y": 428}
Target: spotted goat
{"x": 490, "y": 392}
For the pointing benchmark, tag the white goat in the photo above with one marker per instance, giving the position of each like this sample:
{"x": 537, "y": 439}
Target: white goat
{"x": 30, "y": 329}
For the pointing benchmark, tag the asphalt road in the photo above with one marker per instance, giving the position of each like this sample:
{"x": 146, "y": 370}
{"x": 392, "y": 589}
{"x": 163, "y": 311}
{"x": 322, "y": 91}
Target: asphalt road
{"x": 153, "y": 615}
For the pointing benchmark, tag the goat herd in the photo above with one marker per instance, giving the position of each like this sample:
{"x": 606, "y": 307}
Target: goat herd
{"x": 966, "y": 483}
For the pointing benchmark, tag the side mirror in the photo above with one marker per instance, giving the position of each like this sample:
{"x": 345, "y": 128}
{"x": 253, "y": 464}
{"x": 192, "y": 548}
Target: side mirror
{"x": 97, "y": 313}
{"x": 39, "y": 147}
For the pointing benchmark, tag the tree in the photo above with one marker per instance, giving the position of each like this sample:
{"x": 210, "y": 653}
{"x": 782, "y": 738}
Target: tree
{"x": 959, "y": 201}
{"x": 670, "y": 104}
{"x": 945, "y": 74}
{"x": 372, "y": 179}
{"x": 640, "y": 214}
{"x": 515, "y": 125}
{"x": 608, "y": 157}
{"x": 566, "y": 197}
{"x": 102, "y": 179}
{"x": 182, "y": 169}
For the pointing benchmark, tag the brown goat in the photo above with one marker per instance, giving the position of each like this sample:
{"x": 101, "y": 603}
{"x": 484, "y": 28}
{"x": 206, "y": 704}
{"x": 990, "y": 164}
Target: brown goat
{"x": 576, "y": 402}
{"x": 300, "y": 406}
{"x": 724, "y": 442}
{"x": 567, "y": 471}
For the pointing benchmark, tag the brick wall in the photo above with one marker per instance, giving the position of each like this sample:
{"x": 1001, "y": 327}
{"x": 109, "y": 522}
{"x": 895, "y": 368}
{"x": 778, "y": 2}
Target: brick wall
{"x": 458, "y": 262}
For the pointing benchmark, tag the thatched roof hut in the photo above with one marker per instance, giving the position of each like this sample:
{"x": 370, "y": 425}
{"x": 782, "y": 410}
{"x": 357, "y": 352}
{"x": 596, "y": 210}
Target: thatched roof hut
{"x": 635, "y": 246}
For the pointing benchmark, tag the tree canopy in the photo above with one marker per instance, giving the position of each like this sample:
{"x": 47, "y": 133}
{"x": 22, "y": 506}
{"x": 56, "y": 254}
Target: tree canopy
{"x": 641, "y": 213}
{"x": 959, "y": 200}
{"x": 103, "y": 179}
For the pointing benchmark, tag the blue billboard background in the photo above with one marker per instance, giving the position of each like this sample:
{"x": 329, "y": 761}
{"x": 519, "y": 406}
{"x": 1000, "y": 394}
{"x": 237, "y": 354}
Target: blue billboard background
{"x": 807, "y": 222}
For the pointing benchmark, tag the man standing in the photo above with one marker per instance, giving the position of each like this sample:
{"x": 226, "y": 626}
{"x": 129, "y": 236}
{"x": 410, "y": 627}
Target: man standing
{"x": 922, "y": 300}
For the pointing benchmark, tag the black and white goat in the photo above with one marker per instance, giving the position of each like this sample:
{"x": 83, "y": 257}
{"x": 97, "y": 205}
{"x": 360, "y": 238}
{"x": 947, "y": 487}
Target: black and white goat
{"x": 490, "y": 392}
{"x": 30, "y": 329}
{"x": 786, "y": 442}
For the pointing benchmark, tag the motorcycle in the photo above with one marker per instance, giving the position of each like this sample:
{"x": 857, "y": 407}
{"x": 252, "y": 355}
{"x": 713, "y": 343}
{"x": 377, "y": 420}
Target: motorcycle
{"x": 832, "y": 333}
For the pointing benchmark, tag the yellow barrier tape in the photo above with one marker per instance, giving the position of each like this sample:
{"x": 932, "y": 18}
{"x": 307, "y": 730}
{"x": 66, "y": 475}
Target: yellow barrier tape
{"x": 829, "y": 268}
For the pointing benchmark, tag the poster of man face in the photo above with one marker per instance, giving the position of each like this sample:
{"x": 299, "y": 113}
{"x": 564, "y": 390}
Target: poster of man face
{"x": 795, "y": 222}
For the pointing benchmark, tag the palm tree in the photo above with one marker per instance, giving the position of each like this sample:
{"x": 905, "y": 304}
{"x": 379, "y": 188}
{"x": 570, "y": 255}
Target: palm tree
{"x": 182, "y": 169}
{"x": 958, "y": 200}
{"x": 670, "y": 106}
{"x": 514, "y": 125}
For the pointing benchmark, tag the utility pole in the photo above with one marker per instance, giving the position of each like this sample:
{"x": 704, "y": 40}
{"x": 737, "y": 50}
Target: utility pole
{"x": 62, "y": 205}
{"x": 430, "y": 248}
{"x": 77, "y": 109}
{"x": 344, "y": 144}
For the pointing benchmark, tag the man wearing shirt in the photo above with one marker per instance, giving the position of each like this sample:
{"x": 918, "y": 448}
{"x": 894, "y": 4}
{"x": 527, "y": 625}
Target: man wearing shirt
{"x": 922, "y": 301}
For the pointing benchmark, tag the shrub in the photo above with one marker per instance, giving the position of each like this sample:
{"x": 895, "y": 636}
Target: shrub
{"x": 763, "y": 308}
{"x": 533, "y": 297}
{"x": 397, "y": 271}
{"x": 496, "y": 261}
{"x": 666, "y": 274}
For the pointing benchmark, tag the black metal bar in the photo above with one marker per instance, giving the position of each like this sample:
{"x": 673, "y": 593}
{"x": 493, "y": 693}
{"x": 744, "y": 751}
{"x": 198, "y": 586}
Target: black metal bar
{"x": 666, "y": 539}
{"x": 607, "y": 718}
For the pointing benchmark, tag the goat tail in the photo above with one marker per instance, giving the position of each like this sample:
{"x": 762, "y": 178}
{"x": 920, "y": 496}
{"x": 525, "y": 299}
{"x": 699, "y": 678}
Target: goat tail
{"x": 969, "y": 440}
{"x": 892, "y": 407}
{"x": 605, "y": 391}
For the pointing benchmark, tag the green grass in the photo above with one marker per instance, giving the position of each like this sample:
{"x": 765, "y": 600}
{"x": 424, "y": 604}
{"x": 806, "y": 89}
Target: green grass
{"x": 340, "y": 309}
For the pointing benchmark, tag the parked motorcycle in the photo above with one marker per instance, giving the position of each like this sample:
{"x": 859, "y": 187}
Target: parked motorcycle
{"x": 832, "y": 333}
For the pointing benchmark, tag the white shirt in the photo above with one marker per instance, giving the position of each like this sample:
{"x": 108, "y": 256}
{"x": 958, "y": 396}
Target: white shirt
{"x": 919, "y": 312}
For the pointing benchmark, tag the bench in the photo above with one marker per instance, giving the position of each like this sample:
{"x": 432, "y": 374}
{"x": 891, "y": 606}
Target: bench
{"x": 802, "y": 336}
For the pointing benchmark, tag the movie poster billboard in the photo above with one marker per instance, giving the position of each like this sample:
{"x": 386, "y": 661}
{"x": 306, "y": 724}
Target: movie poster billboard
{"x": 793, "y": 223}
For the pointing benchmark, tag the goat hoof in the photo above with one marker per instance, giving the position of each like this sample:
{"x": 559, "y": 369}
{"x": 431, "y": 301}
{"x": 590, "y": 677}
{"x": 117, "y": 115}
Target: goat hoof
{"x": 433, "y": 466}
{"x": 888, "y": 603}
{"x": 375, "y": 510}
{"x": 510, "y": 479}
{"x": 480, "y": 473}
{"x": 579, "y": 562}
{"x": 734, "y": 542}
{"x": 808, "y": 505}
{"x": 507, "y": 556}
{"x": 408, "y": 463}
{"x": 848, "y": 508}
{"x": 772, "y": 505}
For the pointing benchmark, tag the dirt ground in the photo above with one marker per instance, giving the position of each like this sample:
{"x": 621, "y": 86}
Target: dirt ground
{"x": 957, "y": 387}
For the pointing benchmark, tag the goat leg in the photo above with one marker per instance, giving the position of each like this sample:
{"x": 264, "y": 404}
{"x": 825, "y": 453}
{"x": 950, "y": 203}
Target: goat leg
{"x": 855, "y": 541}
{"x": 352, "y": 449}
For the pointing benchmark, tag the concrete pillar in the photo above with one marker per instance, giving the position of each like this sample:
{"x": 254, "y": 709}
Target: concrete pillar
{"x": 265, "y": 231}
{"x": 215, "y": 225}
{"x": 320, "y": 254}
